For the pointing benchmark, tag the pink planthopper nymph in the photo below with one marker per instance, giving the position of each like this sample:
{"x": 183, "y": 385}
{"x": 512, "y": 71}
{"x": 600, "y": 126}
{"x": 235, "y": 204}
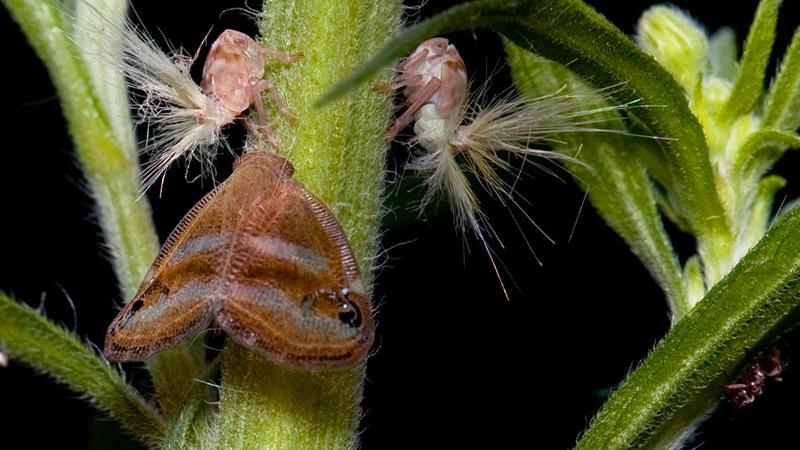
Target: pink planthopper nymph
{"x": 461, "y": 135}
{"x": 188, "y": 118}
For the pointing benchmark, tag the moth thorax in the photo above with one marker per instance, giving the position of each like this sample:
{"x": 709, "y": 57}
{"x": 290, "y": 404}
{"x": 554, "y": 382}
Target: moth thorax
{"x": 431, "y": 129}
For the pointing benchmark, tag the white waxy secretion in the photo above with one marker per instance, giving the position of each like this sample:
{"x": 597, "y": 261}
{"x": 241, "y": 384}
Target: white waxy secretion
{"x": 463, "y": 135}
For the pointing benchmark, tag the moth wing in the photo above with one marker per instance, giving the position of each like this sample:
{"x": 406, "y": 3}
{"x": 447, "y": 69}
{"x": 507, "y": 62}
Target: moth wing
{"x": 294, "y": 257}
{"x": 181, "y": 289}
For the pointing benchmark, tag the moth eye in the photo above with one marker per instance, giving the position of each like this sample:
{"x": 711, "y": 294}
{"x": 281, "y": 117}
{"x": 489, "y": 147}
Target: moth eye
{"x": 239, "y": 42}
{"x": 350, "y": 315}
{"x": 441, "y": 45}
{"x": 135, "y": 306}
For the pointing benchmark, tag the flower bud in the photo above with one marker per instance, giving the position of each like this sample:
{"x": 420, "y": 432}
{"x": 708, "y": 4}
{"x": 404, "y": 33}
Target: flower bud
{"x": 676, "y": 41}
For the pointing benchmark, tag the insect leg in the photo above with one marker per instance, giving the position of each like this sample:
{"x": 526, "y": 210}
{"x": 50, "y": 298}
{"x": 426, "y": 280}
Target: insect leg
{"x": 416, "y": 100}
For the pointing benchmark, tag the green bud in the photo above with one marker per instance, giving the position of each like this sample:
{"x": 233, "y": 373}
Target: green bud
{"x": 676, "y": 41}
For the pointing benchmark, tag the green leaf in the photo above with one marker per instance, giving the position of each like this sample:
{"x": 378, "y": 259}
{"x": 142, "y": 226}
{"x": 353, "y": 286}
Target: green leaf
{"x": 684, "y": 377}
{"x": 693, "y": 279}
{"x": 753, "y": 159}
{"x": 614, "y": 177}
{"x": 108, "y": 82}
{"x": 96, "y": 117}
{"x": 180, "y": 433}
{"x": 749, "y": 85}
{"x": 760, "y": 211}
{"x": 783, "y": 101}
{"x": 760, "y": 151}
{"x": 723, "y": 53}
{"x": 175, "y": 374}
{"x": 572, "y": 33}
{"x": 30, "y": 338}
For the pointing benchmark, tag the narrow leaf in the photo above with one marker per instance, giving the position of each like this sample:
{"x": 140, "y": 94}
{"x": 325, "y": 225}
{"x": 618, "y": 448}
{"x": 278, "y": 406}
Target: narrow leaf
{"x": 180, "y": 433}
{"x": 615, "y": 178}
{"x": 783, "y": 102}
{"x": 30, "y": 338}
{"x": 761, "y": 211}
{"x": 92, "y": 106}
{"x": 549, "y": 29}
{"x": 684, "y": 377}
{"x": 108, "y": 83}
{"x": 693, "y": 279}
{"x": 723, "y": 53}
{"x": 749, "y": 85}
{"x": 761, "y": 150}
{"x": 111, "y": 170}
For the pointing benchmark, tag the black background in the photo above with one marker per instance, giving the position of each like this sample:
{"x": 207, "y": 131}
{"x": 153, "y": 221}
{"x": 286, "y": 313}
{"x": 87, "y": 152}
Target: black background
{"x": 457, "y": 364}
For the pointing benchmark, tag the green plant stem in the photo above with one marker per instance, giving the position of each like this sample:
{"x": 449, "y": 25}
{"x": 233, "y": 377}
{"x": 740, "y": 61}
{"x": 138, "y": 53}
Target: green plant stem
{"x": 48, "y": 348}
{"x": 111, "y": 171}
{"x": 684, "y": 377}
{"x": 263, "y": 405}
{"x": 338, "y": 152}
{"x": 93, "y": 99}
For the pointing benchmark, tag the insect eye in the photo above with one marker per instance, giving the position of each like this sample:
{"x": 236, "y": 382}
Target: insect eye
{"x": 441, "y": 45}
{"x": 239, "y": 42}
{"x": 349, "y": 313}
{"x": 136, "y": 306}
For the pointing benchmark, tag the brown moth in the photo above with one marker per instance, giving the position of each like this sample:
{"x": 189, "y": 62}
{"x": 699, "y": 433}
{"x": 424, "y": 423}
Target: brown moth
{"x": 264, "y": 259}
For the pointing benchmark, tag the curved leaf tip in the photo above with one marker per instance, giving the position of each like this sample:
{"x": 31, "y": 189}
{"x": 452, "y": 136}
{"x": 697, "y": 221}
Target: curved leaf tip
{"x": 458, "y": 17}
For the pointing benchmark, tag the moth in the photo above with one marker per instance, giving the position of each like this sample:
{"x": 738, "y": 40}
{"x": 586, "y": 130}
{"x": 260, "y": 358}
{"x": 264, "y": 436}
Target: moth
{"x": 755, "y": 376}
{"x": 266, "y": 261}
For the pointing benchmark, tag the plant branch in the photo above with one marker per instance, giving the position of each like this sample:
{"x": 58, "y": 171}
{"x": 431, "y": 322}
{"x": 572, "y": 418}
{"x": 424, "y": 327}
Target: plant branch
{"x": 94, "y": 101}
{"x": 48, "y": 348}
{"x": 615, "y": 178}
{"x": 338, "y": 152}
{"x": 108, "y": 164}
{"x": 684, "y": 377}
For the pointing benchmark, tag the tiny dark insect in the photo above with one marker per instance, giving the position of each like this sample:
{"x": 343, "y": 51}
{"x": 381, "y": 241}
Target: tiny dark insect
{"x": 750, "y": 385}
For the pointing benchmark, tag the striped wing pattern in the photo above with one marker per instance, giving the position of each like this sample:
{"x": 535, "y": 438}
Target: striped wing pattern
{"x": 265, "y": 259}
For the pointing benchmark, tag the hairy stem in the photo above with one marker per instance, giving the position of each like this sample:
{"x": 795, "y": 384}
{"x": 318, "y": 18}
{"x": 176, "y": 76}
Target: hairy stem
{"x": 48, "y": 348}
{"x": 94, "y": 101}
{"x": 109, "y": 165}
{"x": 338, "y": 152}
